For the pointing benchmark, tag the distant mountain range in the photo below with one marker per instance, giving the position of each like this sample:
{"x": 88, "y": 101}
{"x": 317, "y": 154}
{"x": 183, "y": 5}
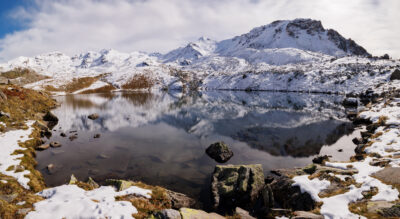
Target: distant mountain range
{"x": 295, "y": 55}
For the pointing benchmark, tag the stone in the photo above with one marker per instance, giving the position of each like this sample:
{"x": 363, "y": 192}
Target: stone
{"x": 55, "y": 144}
{"x": 395, "y": 75}
{"x": 23, "y": 211}
{"x": 96, "y": 136}
{"x": 93, "y": 116}
{"x": 237, "y": 185}
{"x": 290, "y": 197}
{"x": 392, "y": 212}
{"x": 357, "y": 141}
{"x": 390, "y": 175}
{"x": 50, "y": 168}
{"x": 375, "y": 206}
{"x": 43, "y": 147}
{"x": 72, "y": 180}
{"x": 188, "y": 213}
{"x": 306, "y": 215}
{"x": 220, "y": 152}
{"x": 92, "y": 183}
{"x": 8, "y": 198}
{"x": 179, "y": 200}
{"x": 62, "y": 134}
{"x": 320, "y": 159}
{"x": 168, "y": 214}
{"x": 50, "y": 117}
{"x": 3, "y": 97}
{"x": 350, "y": 102}
{"x": 310, "y": 169}
{"x": 119, "y": 183}
{"x": 41, "y": 126}
{"x": 72, "y": 137}
{"x": 243, "y": 214}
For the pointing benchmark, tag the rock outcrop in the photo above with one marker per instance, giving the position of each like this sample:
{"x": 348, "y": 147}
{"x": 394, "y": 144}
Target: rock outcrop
{"x": 241, "y": 186}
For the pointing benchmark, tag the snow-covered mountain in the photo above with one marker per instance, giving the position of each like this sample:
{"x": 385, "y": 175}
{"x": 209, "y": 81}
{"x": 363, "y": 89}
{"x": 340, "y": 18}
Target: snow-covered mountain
{"x": 295, "y": 55}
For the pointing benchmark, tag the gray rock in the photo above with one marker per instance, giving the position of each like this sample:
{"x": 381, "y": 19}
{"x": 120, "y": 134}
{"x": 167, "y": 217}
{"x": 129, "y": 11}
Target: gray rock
{"x": 395, "y": 75}
{"x": 50, "y": 117}
{"x": 237, "y": 185}
{"x": 8, "y": 198}
{"x": 306, "y": 215}
{"x": 188, "y": 213}
{"x": 55, "y": 144}
{"x": 220, "y": 152}
{"x": 168, "y": 214}
{"x": 96, "y": 136}
{"x": 393, "y": 212}
{"x": 43, "y": 147}
{"x": 290, "y": 197}
{"x": 243, "y": 214}
{"x": 320, "y": 159}
{"x": 3, "y": 97}
{"x": 350, "y": 102}
{"x": 179, "y": 200}
{"x": 92, "y": 183}
{"x": 93, "y": 116}
{"x": 390, "y": 175}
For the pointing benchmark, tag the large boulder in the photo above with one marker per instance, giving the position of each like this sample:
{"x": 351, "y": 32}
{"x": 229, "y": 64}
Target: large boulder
{"x": 290, "y": 197}
{"x": 389, "y": 175}
{"x": 395, "y": 75}
{"x": 237, "y": 186}
{"x": 220, "y": 152}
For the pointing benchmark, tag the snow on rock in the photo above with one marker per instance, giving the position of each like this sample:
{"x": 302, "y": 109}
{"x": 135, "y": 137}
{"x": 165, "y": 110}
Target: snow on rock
{"x": 70, "y": 201}
{"x": 312, "y": 187}
{"x": 8, "y": 144}
{"x": 337, "y": 206}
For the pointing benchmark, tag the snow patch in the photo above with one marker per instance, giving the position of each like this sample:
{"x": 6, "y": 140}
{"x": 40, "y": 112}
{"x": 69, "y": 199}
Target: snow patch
{"x": 8, "y": 144}
{"x": 70, "y": 201}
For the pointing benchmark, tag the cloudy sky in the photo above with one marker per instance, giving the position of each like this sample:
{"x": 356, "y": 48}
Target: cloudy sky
{"x": 28, "y": 27}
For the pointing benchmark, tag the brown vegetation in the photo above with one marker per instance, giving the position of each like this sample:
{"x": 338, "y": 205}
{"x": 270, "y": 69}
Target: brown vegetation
{"x": 139, "y": 81}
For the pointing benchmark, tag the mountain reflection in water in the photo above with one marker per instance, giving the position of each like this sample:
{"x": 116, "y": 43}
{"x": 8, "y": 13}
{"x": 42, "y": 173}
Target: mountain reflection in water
{"x": 160, "y": 138}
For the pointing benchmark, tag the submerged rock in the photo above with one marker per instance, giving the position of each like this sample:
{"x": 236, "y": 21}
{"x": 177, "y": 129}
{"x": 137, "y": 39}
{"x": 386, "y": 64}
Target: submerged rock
{"x": 220, "y": 152}
{"x": 96, "y": 136}
{"x": 43, "y": 147}
{"x": 55, "y": 144}
{"x": 188, "y": 213}
{"x": 237, "y": 185}
{"x": 62, "y": 134}
{"x": 93, "y": 116}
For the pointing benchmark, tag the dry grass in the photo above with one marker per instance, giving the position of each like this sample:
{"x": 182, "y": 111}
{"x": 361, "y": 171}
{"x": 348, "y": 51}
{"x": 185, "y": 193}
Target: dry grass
{"x": 139, "y": 81}
{"x": 22, "y": 76}
{"x": 105, "y": 89}
{"x": 159, "y": 200}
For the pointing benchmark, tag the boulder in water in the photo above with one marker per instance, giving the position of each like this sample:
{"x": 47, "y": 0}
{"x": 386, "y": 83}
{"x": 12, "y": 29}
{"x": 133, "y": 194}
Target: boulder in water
{"x": 220, "y": 152}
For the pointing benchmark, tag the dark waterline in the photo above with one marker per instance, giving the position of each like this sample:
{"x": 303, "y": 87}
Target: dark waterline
{"x": 160, "y": 138}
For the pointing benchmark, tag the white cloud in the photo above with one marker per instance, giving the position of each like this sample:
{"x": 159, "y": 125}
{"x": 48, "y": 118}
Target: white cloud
{"x": 74, "y": 26}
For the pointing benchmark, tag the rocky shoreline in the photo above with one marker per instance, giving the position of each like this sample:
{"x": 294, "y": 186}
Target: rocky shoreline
{"x": 238, "y": 191}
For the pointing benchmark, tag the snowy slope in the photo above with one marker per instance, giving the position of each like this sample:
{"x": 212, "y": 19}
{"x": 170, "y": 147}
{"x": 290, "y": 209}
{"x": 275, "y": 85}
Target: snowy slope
{"x": 295, "y": 55}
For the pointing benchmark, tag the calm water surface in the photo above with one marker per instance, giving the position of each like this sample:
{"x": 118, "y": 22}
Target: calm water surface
{"x": 160, "y": 138}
